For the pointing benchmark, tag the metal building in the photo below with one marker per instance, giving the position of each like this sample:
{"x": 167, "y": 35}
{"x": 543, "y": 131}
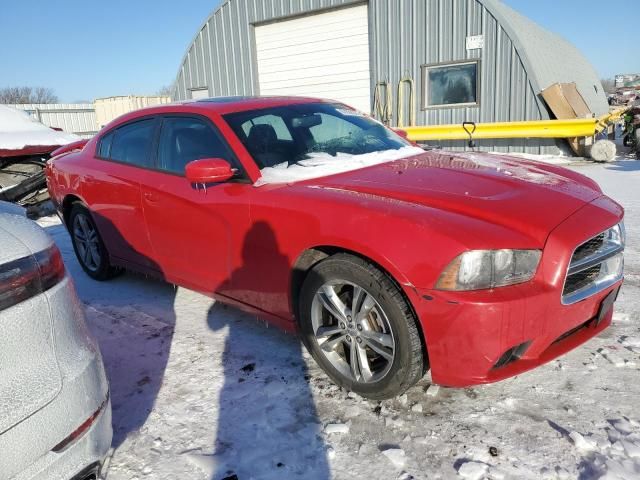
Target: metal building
{"x": 468, "y": 60}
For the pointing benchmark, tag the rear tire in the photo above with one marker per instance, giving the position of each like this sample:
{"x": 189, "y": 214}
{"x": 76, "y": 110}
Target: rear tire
{"x": 88, "y": 245}
{"x": 359, "y": 328}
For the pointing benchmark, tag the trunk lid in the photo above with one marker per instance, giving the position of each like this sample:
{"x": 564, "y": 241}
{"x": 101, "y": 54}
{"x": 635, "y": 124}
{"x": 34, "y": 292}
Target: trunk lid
{"x": 29, "y": 373}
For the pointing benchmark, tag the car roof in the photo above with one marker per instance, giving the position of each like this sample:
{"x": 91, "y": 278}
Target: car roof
{"x": 230, "y": 104}
{"x": 219, "y": 105}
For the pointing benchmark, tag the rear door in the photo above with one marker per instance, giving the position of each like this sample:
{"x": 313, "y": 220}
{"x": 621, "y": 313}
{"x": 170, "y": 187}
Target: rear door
{"x": 112, "y": 189}
{"x": 196, "y": 233}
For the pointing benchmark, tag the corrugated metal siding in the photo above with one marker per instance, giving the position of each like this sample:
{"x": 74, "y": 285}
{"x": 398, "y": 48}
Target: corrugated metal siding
{"x": 78, "y": 118}
{"x": 110, "y": 108}
{"x": 405, "y": 34}
{"x": 412, "y": 33}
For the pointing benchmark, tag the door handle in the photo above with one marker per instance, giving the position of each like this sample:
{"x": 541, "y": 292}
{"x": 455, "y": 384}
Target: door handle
{"x": 150, "y": 197}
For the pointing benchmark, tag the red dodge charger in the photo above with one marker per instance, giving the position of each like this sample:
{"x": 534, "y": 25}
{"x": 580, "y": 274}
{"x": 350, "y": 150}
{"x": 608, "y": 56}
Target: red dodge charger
{"x": 389, "y": 260}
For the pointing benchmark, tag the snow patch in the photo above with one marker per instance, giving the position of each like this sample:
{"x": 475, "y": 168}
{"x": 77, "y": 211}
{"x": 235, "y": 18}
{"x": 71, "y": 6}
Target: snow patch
{"x": 19, "y": 130}
{"x": 433, "y": 390}
{"x": 582, "y": 443}
{"x": 550, "y": 159}
{"x": 473, "y": 470}
{"x": 336, "y": 428}
{"x": 396, "y": 456}
{"x": 323, "y": 164}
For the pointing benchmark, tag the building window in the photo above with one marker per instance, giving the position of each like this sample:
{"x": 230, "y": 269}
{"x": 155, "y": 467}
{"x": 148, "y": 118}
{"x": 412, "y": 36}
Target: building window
{"x": 451, "y": 85}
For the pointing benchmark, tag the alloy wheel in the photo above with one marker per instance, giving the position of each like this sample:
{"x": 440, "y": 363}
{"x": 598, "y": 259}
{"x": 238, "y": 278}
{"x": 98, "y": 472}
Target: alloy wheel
{"x": 87, "y": 242}
{"x": 353, "y": 331}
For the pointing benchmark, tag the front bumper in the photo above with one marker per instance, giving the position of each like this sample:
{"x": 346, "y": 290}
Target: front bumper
{"x": 469, "y": 334}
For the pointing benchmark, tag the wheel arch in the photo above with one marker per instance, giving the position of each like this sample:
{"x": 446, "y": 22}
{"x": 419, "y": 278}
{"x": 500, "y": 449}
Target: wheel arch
{"x": 314, "y": 255}
{"x": 67, "y": 203}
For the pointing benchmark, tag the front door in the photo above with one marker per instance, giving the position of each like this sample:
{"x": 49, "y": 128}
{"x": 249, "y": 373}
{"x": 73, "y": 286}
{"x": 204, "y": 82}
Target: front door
{"x": 196, "y": 232}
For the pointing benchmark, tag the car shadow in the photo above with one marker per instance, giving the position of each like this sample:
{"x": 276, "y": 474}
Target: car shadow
{"x": 134, "y": 332}
{"x": 268, "y": 426}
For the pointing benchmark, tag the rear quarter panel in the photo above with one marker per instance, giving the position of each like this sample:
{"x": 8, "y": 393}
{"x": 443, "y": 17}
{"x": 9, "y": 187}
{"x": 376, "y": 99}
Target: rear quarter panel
{"x": 64, "y": 176}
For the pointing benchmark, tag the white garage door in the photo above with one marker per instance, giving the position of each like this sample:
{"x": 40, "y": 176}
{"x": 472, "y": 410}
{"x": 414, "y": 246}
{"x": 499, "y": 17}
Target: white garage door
{"x": 324, "y": 55}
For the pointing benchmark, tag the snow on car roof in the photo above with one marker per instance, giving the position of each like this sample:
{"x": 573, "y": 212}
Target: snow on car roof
{"x": 18, "y": 131}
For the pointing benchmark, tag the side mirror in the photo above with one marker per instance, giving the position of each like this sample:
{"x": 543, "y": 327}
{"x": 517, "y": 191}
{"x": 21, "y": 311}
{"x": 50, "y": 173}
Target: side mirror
{"x": 209, "y": 170}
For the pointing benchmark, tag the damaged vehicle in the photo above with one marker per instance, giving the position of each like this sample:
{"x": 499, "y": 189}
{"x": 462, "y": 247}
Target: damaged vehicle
{"x": 388, "y": 260}
{"x": 25, "y": 146}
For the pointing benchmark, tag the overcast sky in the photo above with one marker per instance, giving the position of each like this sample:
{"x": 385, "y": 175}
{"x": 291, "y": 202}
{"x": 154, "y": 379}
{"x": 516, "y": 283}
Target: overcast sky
{"x": 87, "y": 49}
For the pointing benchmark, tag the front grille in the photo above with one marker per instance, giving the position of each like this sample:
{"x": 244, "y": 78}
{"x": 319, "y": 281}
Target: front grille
{"x": 581, "y": 279}
{"x": 595, "y": 265}
{"x": 588, "y": 248}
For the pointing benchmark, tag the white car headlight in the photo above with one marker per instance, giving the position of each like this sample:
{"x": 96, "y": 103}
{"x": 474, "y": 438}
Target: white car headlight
{"x": 484, "y": 269}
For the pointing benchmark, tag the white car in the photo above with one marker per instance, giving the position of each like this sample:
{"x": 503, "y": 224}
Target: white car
{"x": 55, "y": 412}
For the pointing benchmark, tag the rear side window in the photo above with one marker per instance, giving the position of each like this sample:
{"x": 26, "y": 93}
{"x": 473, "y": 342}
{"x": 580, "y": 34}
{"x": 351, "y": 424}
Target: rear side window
{"x": 132, "y": 143}
{"x": 105, "y": 145}
{"x": 184, "y": 139}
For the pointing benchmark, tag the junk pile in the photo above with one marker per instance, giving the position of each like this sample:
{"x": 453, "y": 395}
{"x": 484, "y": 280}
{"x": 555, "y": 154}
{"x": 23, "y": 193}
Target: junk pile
{"x": 25, "y": 147}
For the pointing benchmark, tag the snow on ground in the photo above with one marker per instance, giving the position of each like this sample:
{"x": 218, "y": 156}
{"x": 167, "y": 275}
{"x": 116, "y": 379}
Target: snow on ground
{"x": 18, "y": 130}
{"x": 201, "y": 391}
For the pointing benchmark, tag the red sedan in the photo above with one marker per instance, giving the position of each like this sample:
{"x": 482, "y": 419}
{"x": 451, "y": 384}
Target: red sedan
{"x": 387, "y": 259}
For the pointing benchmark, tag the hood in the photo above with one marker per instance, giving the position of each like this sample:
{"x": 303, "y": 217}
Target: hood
{"x": 530, "y": 197}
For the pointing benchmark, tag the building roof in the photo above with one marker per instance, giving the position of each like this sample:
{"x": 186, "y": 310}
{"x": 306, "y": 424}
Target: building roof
{"x": 549, "y": 58}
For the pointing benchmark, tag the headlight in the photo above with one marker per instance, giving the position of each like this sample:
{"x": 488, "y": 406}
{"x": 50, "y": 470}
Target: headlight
{"x": 483, "y": 269}
{"x": 617, "y": 235}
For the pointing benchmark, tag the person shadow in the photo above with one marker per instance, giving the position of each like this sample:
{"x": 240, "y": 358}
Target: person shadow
{"x": 268, "y": 426}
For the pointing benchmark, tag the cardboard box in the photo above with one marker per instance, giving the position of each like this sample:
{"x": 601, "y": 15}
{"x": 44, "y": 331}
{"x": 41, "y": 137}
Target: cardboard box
{"x": 565, "y": 101}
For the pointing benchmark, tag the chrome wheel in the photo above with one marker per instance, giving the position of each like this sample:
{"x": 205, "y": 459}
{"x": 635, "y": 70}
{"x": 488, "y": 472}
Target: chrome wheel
{"x": 85, "y": 236}
{"x": 353, "y": 331}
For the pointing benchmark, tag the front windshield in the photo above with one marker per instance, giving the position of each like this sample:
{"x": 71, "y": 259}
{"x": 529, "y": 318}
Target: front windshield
{"x": 314, "y": 139}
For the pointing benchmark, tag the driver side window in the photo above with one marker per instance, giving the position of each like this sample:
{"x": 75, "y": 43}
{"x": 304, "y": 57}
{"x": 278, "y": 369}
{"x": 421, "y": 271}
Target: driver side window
{"x": 184, "y": 139}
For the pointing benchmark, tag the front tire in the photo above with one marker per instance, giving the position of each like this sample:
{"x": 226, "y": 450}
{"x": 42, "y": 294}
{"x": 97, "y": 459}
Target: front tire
{"x": 359, "y": 328}
{"x": 88, "y": 245}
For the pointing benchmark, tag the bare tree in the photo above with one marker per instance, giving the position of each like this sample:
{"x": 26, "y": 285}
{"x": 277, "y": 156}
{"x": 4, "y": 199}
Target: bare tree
{"x": 22, "y": 95}
{"x": 608, "y": 85}
{"x": 44, "y": 95}
{"x": 165, "y": 91}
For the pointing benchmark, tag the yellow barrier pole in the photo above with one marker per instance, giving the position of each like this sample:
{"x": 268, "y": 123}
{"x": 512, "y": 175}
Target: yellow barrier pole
{"x": 537, "y": 129}
{"x": 605, "y": 120}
